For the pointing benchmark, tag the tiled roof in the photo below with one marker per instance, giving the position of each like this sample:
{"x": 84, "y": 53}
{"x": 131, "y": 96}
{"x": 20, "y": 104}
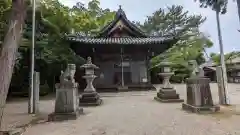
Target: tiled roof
{"x": 120, "y": 15}
{"x": 208, "y": 63}
{"x": 119, "y": 40}
{"x": 233, "y": 61}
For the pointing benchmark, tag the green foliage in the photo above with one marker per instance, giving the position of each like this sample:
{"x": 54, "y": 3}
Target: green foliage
{"x": 217, "y": 5}
{"x": 228, "y": 57}
{"x": 53, "y": 20}
{"x": 5, "y": 7}
{"x": 181, "y": 53}
{"x": 173, "y": 21}
{"x": 89, "y": 20}
{"x": 191, "y": 44}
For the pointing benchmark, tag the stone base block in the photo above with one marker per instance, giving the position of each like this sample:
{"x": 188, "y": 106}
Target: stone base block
{"x": 122, "y": 88}
{"x": 17, "y": 131}
{"x": 65, "y": 116}
{"x": 168, "y": 95}
{"x": 90, "y": 99}
{"x": 195, "y": 109}
{"x": 168, "y": 100}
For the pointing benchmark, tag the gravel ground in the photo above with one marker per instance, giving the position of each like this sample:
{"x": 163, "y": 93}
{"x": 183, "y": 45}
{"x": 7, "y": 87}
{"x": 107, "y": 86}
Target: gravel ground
{"x": 136, "y": 113}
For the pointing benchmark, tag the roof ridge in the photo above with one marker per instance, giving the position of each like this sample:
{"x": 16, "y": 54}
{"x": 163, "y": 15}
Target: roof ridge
{"x": 124, "y": 37}
{"x": 120, "y": 14}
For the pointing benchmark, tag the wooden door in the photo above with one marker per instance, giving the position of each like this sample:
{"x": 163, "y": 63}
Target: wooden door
{"x": 118, "y": 78}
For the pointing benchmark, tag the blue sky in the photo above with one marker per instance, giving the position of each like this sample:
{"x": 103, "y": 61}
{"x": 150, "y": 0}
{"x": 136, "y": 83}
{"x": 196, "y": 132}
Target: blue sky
{"x": 137, "y": 11}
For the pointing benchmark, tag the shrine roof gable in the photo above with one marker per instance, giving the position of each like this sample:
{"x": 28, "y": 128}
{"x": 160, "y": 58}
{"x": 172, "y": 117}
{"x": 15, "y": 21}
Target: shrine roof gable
{"x": 120, "y": 21}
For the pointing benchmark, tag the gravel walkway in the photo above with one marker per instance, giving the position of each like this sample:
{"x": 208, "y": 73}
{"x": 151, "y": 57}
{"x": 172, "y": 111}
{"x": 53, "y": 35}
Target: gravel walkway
{"x": 136, "y": 113}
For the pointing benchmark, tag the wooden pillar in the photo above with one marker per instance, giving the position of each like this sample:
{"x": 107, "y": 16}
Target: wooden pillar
{"x": 93, "y": 55}
{"x": 148, "y": 66}
{"x": 122, "y": 72}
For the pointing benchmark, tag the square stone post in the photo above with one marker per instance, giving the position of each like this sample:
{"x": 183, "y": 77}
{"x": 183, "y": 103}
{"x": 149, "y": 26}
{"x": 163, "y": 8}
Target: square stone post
{"x": 199, "y": 97}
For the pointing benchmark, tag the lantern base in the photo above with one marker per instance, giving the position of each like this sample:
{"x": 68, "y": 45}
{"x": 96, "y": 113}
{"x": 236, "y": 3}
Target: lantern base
{"x": 90, "y": 99}
{"x": 168, "y": 95}
{"x": 202, "y": 109}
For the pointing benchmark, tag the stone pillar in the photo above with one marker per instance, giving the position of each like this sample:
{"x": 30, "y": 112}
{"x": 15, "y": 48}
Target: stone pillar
{"x": 89, "y": 97}
{"x": 36, "y": 85}
{"x": 66, "y": 103}
{"x": 167, "y": 93}
{"x": 199, "y": 97}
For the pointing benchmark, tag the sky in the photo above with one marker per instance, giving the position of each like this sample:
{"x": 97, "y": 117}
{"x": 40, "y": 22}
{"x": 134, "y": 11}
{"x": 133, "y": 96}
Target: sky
{"x": 137, "y": 11}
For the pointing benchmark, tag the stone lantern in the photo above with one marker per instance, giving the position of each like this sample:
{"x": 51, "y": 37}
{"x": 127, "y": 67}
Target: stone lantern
{"x": 167, "y": 93}
{"x": 89, "y": 96}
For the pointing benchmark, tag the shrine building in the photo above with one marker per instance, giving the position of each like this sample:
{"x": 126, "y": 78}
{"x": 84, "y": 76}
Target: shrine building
{"x": 122, "y": 52}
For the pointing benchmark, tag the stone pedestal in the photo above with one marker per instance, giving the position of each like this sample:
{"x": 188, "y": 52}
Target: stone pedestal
{"x": 199, "y": 97}
{"x": 167, "y": 93}
{"x": 66, "y": 104}
{"x": 90, "y": 99}
{"x": 89, "y": 79}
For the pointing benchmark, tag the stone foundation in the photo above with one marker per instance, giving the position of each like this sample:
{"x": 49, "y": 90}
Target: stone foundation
{"x": 17, "y": 131}
{"x": 90, "y": 99}
{"x": 168, "y": 95}
{"x": 123, "y": 88}
{"x": 196, "y": 109}
{"x": 65, "y": 116}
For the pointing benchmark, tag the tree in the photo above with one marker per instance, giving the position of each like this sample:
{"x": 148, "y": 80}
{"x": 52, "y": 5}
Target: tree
{"x": 216, "y": 5}
{"x": 5, "y": 7}
{"x": 238, "y": 5}
{"x": 176, "y": 22}
{"x": 228, "y": 57}
{"x": 181, "y": 53}
{"x": 219, "y": 6}
{"x": 52, "y": 51}
{"x": 90, "y": 19}
{"x": 9, "y": 49}
{"x": 56, "y": 52}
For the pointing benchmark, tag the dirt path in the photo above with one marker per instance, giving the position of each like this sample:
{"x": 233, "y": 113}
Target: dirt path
{"x": 131, "y": 114}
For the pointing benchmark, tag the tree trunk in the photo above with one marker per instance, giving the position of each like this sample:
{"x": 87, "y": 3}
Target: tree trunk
{"x": 224, "y": 97}
{"x": 238, "y": 6}
{"x": 9, "y": 50}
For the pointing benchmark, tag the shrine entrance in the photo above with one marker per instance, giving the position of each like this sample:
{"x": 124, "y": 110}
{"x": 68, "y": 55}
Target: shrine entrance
{"x": 126, "y": 78}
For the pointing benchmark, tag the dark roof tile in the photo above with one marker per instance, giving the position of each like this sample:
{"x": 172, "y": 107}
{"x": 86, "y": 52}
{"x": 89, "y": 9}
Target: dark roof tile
{"x": 119, "y": 40}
